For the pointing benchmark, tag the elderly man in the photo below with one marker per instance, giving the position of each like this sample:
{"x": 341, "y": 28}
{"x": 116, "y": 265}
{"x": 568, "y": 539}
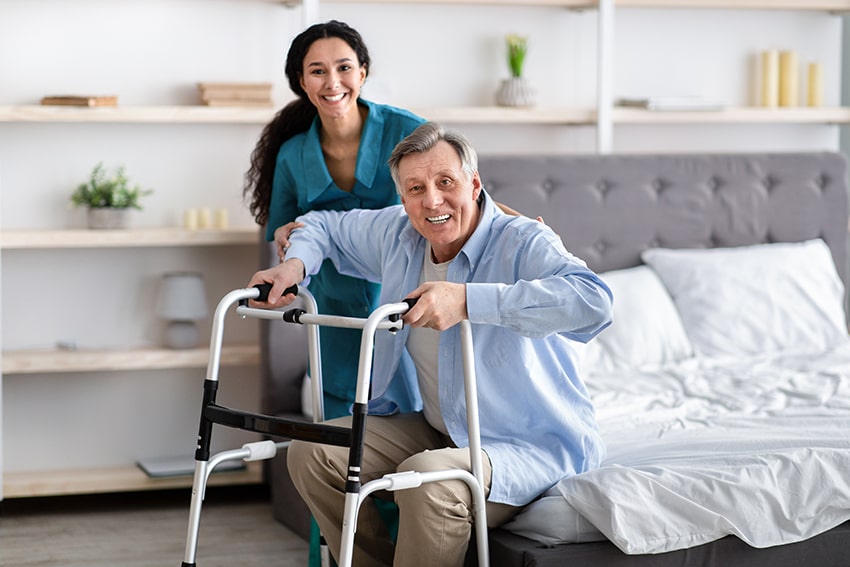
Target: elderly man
{"x": 527, "y": 297}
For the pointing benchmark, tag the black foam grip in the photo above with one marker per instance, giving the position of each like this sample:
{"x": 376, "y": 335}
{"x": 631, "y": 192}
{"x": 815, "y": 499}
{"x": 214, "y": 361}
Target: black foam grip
{"x": 411, "y": 301}
{"x": 265, "y": 288}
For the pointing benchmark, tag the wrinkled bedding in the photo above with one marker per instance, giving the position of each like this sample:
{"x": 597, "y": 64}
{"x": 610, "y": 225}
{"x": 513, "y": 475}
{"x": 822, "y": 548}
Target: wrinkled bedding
{"x": 754, "y": 447}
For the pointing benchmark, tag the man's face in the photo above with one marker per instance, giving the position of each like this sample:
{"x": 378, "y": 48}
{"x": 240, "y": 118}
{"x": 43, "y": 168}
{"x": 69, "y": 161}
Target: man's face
{"x": 440, "y": 198}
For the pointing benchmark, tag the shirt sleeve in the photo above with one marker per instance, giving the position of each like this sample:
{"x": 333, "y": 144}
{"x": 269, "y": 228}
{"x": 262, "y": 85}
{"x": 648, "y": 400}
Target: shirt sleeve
{"x": 352, "y": 240}
{"x": 550, "y": 291}
{"x": 283, "y": 207}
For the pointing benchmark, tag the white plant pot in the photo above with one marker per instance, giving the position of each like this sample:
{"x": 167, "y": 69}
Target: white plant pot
{"x": 515, "y": 91}
{"x": 107, "y": 218}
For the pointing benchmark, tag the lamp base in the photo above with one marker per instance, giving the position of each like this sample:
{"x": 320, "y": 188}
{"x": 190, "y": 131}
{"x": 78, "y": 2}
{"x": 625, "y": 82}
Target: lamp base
{"x": 182, "y": 335}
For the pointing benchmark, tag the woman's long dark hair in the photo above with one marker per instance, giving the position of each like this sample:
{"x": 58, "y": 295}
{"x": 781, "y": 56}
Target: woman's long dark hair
{"x": 295, "y": 117}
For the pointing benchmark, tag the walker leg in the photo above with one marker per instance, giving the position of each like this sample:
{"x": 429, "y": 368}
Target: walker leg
{"x": 198, "y": 487}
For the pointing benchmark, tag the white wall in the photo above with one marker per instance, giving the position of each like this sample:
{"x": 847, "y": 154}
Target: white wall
{"x": 454, "y": 56}
{"x": 153, "y": 52}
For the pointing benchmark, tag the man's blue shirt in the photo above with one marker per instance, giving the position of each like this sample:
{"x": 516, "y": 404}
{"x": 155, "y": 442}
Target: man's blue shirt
{"x": 527, "y": 299}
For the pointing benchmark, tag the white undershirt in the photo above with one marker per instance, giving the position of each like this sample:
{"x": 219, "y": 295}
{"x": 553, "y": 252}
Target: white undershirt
{"x": 423, "y": 344}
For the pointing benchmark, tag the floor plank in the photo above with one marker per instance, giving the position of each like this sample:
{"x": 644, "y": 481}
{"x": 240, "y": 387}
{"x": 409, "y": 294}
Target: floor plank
{"x": 146, "y": 530}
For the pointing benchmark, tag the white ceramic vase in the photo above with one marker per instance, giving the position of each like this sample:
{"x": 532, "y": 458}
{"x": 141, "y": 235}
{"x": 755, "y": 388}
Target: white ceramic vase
{"x": 107, "y": 218}
{"x": 515, "y": 91}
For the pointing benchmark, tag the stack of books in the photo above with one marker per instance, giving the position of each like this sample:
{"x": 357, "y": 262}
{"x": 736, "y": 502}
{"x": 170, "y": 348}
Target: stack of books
{"x": 236, "y": 94}
{"x": 80, "y": 100}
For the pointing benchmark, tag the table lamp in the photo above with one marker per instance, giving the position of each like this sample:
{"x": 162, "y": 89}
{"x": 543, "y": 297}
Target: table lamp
{"x": 181, "y": 301}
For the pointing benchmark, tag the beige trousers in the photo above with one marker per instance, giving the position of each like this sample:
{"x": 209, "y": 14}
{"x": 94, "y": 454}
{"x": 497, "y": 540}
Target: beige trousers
{"x": 435, "y": 519}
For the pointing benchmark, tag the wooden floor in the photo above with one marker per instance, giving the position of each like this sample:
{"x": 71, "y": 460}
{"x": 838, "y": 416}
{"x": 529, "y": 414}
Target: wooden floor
{"x": 146, "y": 530}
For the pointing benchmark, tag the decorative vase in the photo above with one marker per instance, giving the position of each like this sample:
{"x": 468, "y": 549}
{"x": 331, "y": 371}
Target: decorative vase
{"x": 515, "y": 91}
{"x": 107, "y": 218}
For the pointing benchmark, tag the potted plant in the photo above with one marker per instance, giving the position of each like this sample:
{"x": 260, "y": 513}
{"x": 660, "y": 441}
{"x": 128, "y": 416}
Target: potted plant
{"x": 108, "y": 197}
{"x": 515, "y": 91}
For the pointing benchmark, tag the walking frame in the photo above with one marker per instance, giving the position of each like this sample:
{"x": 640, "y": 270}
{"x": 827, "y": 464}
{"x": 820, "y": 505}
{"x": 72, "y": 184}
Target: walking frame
{"x": 386, "y": 317}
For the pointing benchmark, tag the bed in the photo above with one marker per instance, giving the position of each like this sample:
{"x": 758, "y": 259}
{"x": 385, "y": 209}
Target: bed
{"x": 723, "y": 386}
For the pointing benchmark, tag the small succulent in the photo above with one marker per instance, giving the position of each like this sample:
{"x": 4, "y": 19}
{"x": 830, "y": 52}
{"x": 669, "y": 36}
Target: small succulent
{"x": 517, "y": 48}
{"x": 103, "y": 190}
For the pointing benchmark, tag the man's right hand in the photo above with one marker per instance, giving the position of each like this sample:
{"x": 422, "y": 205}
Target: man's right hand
{"x": 281, "y": 277}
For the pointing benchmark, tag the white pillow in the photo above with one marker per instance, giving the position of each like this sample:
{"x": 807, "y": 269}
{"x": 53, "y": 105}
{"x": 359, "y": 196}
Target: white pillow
{"x": 755, "y": 299}
{"x": 646, "y": 330}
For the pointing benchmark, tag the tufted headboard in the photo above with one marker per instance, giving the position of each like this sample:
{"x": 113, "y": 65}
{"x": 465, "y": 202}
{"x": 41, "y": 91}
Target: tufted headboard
{"x": 608, "y": 209}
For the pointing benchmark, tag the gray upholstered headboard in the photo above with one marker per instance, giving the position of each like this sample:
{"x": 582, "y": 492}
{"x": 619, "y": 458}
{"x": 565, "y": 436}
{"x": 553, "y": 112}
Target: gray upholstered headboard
{"x": 608, "y": 209}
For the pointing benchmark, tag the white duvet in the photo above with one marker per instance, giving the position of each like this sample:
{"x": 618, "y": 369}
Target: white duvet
{"x": 758, "y": 448}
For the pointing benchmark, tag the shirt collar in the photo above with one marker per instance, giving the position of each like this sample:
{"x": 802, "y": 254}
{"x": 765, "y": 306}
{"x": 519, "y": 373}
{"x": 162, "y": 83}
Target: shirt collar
{"x": 371, "y": 141}
{"x": 475, "y": 246}
{"x": 368, "y": 155}
{"x": 316, "y": 174}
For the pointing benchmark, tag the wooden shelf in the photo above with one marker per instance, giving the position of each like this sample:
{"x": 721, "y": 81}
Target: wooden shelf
{"x": 213, "y": 115}
{"x": 809, "y": 5}
{"x": 145, "y": 114}
{"x": 145, "y": 237}
{"x": 114, "y": 479}
{"x": 52, "y": 361}
{"x": 449, "y": 115}
{"x": 508, "y": 115}
{"x": 740, "y": 115}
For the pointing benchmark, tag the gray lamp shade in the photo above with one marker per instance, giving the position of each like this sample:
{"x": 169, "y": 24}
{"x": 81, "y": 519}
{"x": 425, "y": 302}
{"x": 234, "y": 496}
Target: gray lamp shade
{"x": 182, "y": 297}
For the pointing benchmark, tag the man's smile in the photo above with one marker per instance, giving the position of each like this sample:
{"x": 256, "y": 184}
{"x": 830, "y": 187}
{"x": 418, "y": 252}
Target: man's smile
{"x": 438, "y": 220}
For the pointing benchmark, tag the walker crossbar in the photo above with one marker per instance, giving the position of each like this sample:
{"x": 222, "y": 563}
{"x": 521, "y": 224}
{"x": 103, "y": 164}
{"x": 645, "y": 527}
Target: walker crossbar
{"x": 279, "y": 426}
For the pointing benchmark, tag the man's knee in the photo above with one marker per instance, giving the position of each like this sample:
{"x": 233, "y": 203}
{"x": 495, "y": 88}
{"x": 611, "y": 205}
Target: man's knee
{"x": 453, "y": 496}
{"x": 436, "y": 460}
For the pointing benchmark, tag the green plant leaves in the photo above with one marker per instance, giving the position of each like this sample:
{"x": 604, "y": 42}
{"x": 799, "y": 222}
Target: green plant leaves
{"x": 109, "y": 190}
{"x": 517, "y": 48}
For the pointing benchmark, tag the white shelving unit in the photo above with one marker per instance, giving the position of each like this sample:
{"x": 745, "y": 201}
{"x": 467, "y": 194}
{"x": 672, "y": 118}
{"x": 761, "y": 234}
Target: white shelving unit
{"x": 30, "y": 364}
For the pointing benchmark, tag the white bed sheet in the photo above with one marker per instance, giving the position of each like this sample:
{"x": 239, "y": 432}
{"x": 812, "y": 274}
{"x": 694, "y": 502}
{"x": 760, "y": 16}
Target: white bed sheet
{"x": 758, "y": 448}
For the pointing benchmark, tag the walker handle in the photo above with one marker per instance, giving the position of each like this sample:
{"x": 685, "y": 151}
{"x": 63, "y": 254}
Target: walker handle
{"x": 265, "y": 288}
{"x": 411, "y": 301}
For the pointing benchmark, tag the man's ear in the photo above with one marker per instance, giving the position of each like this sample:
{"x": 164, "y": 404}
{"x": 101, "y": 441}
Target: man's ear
{"x": 476, "y": 185}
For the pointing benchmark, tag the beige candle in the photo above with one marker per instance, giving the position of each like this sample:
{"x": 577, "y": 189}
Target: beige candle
{"x": 814, "y": 95}
{"x": 221, "y": 219}
{"x": 190, "y": 219}
{"x": 788, "y": 79}
{"x": 770, "y": 78}
{"x": 204, "y": 218}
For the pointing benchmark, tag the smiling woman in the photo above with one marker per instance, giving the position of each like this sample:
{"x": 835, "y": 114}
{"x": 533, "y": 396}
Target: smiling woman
{"x": 327, "y": 150}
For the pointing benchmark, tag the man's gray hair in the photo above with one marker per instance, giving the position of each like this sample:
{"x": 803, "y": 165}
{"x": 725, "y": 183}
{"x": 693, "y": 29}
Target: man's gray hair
{"x": 423, "y": 139}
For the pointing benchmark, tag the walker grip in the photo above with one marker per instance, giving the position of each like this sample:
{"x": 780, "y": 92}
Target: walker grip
{"x": 411, "y": 301}
{"x": 265, "y": 288}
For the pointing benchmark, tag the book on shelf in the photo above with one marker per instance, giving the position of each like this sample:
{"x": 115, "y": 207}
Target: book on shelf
{"x": 239, "y": 102}
{"x": 80, "y": 100}
{"x": 221, "y": 94}
{"x": 672, "y": 103}
{"x": 161, "y": 467}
